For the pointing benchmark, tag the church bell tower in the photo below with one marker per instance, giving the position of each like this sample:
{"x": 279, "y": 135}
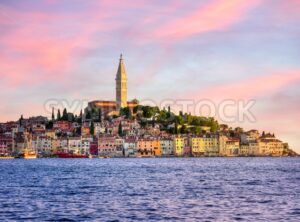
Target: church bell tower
{"x": 121, "y": 85}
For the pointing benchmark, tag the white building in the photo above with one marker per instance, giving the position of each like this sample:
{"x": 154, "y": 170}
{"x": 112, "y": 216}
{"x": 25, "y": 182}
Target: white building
{"x": 167, "y": 146}
{"x": 130, "y": 147}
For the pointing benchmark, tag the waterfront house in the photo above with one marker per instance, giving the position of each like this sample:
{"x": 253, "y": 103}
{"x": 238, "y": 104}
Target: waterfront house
{"x": 178, "y": 143}
{"x": 167, "y": 146}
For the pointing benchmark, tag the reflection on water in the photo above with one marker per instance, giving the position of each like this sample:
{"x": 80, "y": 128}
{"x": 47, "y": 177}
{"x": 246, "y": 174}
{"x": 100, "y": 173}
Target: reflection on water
{"x": 199, "y": 189}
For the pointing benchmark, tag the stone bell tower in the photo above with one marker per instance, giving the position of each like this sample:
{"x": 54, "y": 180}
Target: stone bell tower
{"x": 121, "y": 85}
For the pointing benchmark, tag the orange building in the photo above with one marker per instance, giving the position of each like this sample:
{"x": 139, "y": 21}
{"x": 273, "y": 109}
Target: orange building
{"x": 148, "y": 147}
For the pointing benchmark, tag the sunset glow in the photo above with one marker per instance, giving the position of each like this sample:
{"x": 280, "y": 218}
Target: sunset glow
{"x": 220, "y": 49}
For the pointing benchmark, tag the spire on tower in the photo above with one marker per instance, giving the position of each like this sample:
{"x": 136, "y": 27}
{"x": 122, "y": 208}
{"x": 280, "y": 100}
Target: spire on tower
{"x": 121, "y": 85}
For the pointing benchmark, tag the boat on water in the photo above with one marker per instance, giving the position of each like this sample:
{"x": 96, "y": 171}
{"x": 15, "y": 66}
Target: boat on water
{"x": 70, "y": 155}
{"x": 6, "y": 157}
{"x": 29, "y": 155}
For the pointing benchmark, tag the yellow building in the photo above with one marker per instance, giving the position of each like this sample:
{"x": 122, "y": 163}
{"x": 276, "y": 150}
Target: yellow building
{"x": 51, "y": 134}
{"x": 232, "y": 147}
{"x": 198, "y": 146}
{"x": 207, "y": 145}
{"x": 244, "y": 150}
{"x": 55, "y": 143}
{"x": 148, "y": 147}
{"x": 178, "y": 143}
{"x": 229, "y": 146}
{"x": 270, "y": 147}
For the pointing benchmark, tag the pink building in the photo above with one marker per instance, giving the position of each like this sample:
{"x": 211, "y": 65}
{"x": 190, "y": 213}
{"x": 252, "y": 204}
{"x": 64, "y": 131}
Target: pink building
{"x": 63, "y": 125}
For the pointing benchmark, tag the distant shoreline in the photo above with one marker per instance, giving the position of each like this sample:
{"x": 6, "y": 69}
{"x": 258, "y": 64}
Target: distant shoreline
{"x": 159, "y": 157}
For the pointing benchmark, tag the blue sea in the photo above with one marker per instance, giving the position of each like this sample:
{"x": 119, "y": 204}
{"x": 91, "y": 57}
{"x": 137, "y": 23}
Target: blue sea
{"x": 153, "y": 189}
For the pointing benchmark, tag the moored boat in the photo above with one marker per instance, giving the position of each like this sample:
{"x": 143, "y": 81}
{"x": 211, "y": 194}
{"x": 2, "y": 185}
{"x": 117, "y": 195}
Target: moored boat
{"x": 29, "y": 155}
{"x": 70, "y": 155}
{"x": 6, "y": 157}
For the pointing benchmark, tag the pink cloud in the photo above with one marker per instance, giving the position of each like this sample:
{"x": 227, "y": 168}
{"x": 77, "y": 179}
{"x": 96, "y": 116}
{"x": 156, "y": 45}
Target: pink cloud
{"x": 45, "y": 43}
{"x": 250, "y": 88}
{"x": 218, "y": 15}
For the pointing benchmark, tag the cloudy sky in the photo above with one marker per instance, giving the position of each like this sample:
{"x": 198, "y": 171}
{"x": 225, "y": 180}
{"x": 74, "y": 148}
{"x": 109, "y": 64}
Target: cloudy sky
{"x": 173, "y": 49}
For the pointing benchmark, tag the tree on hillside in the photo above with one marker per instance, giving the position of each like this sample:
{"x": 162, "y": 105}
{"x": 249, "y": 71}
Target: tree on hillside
{"x": 148, "y": 111}
{"x": 49, "y": 125}
{"x": 162, "y": 116}
{"x": 136, "y": 109}
{"x": 179, "y": 119}
{"x": 65, "y": 115}
{"x": 100, "y": 115}
{"x": 88, "y": 115}
{"x": 198, "y": 130}
{"x": 92, "y": 128}
{"x": 71, "y": 117}
{"x": 176, "y": 127}
{"x": 58, "y": 116}
{"x": 189, "y": 119}
{"x": 214, "y": 126}
{"x": 79, "y": 118}
{"x": 21, "y": 120}
{"x": 183, "y": 129}
{"x": 120, "y": 130}
{"x": 169, "y": 112}
{"x": 126, "y": 111}
{"x": 52, "y": 116}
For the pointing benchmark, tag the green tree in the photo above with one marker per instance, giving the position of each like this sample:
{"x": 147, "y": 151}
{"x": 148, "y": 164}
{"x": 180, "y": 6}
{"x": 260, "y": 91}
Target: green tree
{"x": 189, "y": 119}
{"x": 183, "y": 129}
{"x": 214, "y": 125}
{"x": 58, "y": 116}
{"x": 179, "y": 119}
{"x": 49, "y": 125}
{"x": 88, "y": 115}
{"x": 52, "y": 116}
{"x": 126, "y": 111}
{"x": 21, "y": 120}
{"x": 92, "y": 128}
{"x": 120, "y": 130}
{"x": 65, "y": 115}
{"x": 129, "y": 114}
{"x": 169, "y": 112}
{"x": 148, "y": 111}
{"x": 198, "y": 130}
{"x": 71, "y": 117}
{"x": 79, "y": 118}
{"x": 100, "y": 115}
{"x": 176, "y": 128}
{"x": 162, "y": 116}
{"x": 136, "y": 109}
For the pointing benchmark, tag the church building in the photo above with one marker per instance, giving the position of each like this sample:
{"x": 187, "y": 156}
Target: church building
{"x": 113, "y": 107}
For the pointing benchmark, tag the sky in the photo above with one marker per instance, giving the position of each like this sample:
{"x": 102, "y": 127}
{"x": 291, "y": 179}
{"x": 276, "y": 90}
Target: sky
{"x": 212, "y": 50}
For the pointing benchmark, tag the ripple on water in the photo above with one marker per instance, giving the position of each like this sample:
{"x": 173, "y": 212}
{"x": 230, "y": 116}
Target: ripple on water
{"x": 196, "y": 189}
